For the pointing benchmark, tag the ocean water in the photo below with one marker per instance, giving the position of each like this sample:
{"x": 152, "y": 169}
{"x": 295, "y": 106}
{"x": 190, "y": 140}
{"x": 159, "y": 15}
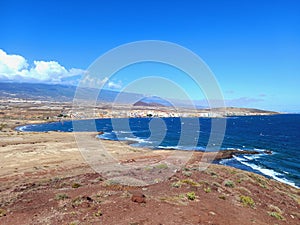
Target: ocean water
{"x": 279, "y": 134}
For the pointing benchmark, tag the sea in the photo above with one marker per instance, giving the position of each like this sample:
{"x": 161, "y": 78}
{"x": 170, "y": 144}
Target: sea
{"x": 279, "y": 134}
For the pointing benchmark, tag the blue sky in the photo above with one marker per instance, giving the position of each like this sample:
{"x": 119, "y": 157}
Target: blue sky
{"x": 252, "y": 47}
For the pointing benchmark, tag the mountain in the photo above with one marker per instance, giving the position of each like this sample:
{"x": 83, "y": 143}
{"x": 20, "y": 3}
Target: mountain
{"x": 153, "y": 101}
{"x": 66, "y": 93}
{"x": 61, "y": 93}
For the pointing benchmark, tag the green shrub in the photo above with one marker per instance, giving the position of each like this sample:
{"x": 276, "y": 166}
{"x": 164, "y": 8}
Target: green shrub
{"x": 61, "y": 197}
{"x": 191, "y": 195}
{"x": 187, "y": 173}
{"x": 207, "y": 190}
{"x": 176, "y": 184}
{"x": 162, "y": 166}
{"x": 189, "y": 182}
{"x": 229, "y": 183}
{"x": 76, "y": 185}
{"x": 98, "y": 214}
{"x": 247, "y": 201}
{"x": 276, "y": 215}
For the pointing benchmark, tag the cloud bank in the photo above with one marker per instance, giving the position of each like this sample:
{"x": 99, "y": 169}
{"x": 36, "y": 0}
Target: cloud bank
{"x": 16, "y": 68}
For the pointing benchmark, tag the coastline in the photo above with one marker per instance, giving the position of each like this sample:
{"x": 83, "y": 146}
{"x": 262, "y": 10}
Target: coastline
{"x": 39, "y": 167}
{"x": 217, "y": 158}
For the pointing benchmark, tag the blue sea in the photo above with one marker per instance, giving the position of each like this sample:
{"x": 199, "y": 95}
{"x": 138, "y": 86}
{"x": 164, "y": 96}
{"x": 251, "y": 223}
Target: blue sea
{"x": 278, "y": 133}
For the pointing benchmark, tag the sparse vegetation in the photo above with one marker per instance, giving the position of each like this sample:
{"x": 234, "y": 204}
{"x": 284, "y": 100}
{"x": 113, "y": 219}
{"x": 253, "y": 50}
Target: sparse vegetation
{"x": 229, "y": 183}
{"x": 276, "y": 212}
{"x": 187, "y": 173}
{"x": 177, "y": 199}
{"x": 61, "y": 197}
{"x": 74, "y": 223}
{"x": 2, "y": 126}
{"x": 98, "y": 214}
{"x": 243, "y": 190}
{"x": 274, "y": 208}
{"x": 2, "y": 212}
{"x": 276, "y": 215}
{"x": 239, "y": 181}
{"x": 76, "y": 185}
{"x": 207, "y": 190}
{"x": 247, "y": 201}
{"x": 189, "y": 182}
{"x": 261, "y": 180}
{"x": 176, "y": 184}
{"x": 162, "y": 166}
{"x": 223, "y": 197}
{"x": 191, "y": 196}
{"x": 77, "y": 201}
{"x": 111, "y": 182}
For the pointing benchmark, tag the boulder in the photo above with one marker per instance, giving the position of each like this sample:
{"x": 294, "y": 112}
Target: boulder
{"x": 138, "y": 197}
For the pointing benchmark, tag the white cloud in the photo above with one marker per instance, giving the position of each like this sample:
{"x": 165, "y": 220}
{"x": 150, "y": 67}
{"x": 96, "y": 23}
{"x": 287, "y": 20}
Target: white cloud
{"x": 113, "y": 85}
{"x": 11, "y": 64}
{"x": 99, "y": 82}
{"x": 16, "y": 68}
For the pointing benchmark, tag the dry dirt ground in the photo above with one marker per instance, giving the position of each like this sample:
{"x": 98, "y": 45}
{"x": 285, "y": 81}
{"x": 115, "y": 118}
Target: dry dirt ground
{"x": 45, "y": 180}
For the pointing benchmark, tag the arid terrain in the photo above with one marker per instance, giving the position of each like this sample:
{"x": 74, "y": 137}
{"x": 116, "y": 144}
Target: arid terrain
{"x": 44, "y": 179}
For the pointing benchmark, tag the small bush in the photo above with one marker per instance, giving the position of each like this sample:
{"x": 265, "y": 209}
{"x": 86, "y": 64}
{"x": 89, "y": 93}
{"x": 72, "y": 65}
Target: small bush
{"x": 207, "y": 190}
{"x": 176, "y": 184}
{"x": 223, "y": 197}
{"x": 229, "y": 183}
{"x": 247, "y": 201}
{"x": 61, "y": 197}
{"x": 276, "y": 215}
{"x": 191, "y": 195}
{"x": 187, "y": 173}
{"x": 162, "y": 166}
{"x": 2, "y": 212}
{"x": 274, "y": 208}
{"x": 76, "y": 185}
{"x": 98, "y": 214}
{"x": 2, "y": 126}
{"x": 189, "y": 182}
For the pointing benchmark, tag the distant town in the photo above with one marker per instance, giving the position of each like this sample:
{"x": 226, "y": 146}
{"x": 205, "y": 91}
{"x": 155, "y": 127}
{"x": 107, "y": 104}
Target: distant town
{"x": 15, "y": 108}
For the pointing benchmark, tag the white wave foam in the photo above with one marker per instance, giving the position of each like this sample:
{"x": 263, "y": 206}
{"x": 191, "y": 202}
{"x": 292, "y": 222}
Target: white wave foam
{"x": 123, "y": 132}
{"x": 168, "y": 147}
{"x": 225, "y": 161}
{"x": 240, "y": 159}
{"x": 139, "y": 140}
{"x": 271, "y": 173}
{"x": 251, "y": 157}
{"x": 179, "y": 147}
{"x": 23, "y": 128}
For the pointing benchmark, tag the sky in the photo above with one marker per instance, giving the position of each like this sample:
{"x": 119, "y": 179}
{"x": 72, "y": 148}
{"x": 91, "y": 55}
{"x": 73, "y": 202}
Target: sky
{"x": 252, "y": 47}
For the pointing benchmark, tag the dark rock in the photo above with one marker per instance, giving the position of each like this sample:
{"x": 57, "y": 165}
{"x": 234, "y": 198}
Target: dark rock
{"x": 138, "y": 197}
{"x": 89, "y": 199}
{"x": 227, "y": 154}
{"x": 269, "y": 152}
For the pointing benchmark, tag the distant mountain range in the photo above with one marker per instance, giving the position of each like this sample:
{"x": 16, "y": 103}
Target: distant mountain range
{"x": 64, "y": 93}
{"x": 56, "y": 92}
